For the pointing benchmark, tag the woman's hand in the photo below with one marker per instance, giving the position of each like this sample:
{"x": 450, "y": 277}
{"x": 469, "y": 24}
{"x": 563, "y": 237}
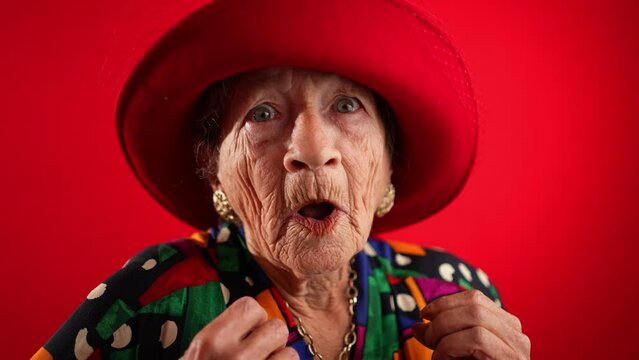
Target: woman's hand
{"x": 469, "y": 325}
{"x": 242, "y": 332}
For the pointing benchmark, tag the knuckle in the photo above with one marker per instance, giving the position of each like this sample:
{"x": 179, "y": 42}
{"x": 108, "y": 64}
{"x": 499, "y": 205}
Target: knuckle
{"x": 199, "y": 346}
{"x": 248, "y": 305}
{"x": 479, "y": 336}
{"x": 477, "y": 314}
{"x": 277, "y": 329}
{"x": 245, "y": 302}
{"x": 476, "y": 296}
{"x": 241, "y": 354}
{"x": 517, "y": 323}
{"x": 526, "y": 343}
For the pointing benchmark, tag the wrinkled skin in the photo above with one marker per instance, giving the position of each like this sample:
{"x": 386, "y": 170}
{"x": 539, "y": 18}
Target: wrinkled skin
{"x": 307, "y": 151}
{"x": 303, "y": 152}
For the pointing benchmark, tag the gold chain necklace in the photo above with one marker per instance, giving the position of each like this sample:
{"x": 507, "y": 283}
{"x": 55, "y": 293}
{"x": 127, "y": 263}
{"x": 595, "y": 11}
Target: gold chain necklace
{"x": 350, "y": 337}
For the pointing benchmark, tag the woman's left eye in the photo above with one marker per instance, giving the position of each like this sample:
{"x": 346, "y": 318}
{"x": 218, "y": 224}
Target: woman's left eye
{"x": 347, "y": 104}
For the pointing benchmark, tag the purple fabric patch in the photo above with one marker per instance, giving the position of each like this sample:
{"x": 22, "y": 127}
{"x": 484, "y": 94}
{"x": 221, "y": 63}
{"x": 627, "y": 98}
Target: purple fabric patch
{"x": 434, "y": 288}
{"x": 292, "y": 336}
{"x": 406, "y": 333}
{"x": 359, "y": 345}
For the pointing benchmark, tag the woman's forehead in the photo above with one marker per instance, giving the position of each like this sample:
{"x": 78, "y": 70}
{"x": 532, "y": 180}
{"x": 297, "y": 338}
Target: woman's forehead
{"x": 286, "y": 79}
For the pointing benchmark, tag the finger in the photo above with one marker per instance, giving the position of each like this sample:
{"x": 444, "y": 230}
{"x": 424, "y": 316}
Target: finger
{"x": 466, "y": 298}
{"x": 455, "y": 300}
{"x": 477, "y": 342}
{"x": 465, "y": 317}
{"x": 235, "y": 323}
{"x": 241, "y": 317}
{"x": 264, "y": 340}
{"x": 287, "y": 353}
{"x": 419, "y": 332}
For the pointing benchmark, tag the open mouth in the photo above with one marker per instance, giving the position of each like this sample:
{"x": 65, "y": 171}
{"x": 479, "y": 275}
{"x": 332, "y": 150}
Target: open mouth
{"x": 318, "y": 211}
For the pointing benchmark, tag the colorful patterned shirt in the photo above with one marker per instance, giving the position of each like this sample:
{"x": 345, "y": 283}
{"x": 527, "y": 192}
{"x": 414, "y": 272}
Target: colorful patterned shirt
{"x": 153, "y": 307}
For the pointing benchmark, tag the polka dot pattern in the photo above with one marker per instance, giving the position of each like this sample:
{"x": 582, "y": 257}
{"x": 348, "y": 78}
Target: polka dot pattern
{"x": 82, "y": 350}
{"x": 483, "y": 278}
{"x": 168, "y": 333}
{"x": 402, "y": 260}
{"x": 395, "y": 282}
{"x": 121, "y": 337}
{"x": 97, "y": 292}
{"x": 446, "y": 271}
{"x": 226, "y": 294}
{"x": 223, "y": 235}
{"x": 149, "y": 264}
{"x": 465, "y": 271}
{"x": 368, "y": 249}
{"x": 406, "y": 302}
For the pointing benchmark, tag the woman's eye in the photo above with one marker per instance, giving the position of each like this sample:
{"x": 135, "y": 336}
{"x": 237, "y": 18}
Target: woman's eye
{"x": 263, "y": 112}
{"x": 347, "y": 105}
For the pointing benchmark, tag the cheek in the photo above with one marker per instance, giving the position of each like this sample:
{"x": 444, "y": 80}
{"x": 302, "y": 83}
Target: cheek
{"x": 367, "y": 164}
{"x": 248, "y": 173}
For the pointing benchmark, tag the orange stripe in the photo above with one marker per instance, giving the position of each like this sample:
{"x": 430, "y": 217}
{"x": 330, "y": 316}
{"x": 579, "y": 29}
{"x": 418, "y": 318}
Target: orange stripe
{"x": 201, "y": 238}
{"x": 407, "y": 248}
{"x": 268, "y": 303}
{"x": 42, "y": 354}
{"x": 417, "y": 294}
{"x": 413, "y": 349}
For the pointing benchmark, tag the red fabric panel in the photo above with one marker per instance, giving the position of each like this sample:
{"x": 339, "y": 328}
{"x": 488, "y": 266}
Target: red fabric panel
{"x": 193, "y": 271}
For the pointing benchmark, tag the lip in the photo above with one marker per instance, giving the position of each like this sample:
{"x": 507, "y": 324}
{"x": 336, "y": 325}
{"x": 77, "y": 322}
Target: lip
{"x": 337, "y": 207}
{"x": 321, "y": 227}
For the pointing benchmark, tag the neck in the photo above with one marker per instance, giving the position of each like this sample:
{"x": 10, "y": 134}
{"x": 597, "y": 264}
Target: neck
{"x": 320, "y": 302}
{"x": 324, "y": 292}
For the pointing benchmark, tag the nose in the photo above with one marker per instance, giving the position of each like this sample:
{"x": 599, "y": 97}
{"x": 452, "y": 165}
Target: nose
{"x": 312, "y": 144}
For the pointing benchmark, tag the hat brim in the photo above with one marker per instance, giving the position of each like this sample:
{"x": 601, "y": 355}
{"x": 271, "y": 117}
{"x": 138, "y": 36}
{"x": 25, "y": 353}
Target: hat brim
{"x": 389, "y": 46}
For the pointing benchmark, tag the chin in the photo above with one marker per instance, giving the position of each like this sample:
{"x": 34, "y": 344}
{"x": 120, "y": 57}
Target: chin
{"x": 321, "y": 261}
{"x": 322, "y": 254}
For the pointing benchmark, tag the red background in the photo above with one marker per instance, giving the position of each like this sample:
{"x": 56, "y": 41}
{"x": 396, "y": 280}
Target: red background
{"x": 550, "y": 211}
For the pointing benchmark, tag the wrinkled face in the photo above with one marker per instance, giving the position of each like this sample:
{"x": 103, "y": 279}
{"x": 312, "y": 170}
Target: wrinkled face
{"x": 304, "y": 164}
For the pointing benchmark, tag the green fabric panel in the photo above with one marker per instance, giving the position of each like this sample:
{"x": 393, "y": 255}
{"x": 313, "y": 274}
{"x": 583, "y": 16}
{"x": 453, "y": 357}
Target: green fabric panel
{"x": 126, "y": 354}
{"x": 204, "y": 303}
{"x": 377, "y": 344}
{"x": 165, "y": 252}
{"x": 389, "y": 324}
{"x": 395, "y": 272}
{"x": 172, "y": 304}
{"x": 117, "y": 315}
{"x": 465, "y": 284}
{"x": 228, "y": 258}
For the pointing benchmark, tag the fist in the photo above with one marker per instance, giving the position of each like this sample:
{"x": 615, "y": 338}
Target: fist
{"x": 242, "y": 331}
{"x": 469, "y": 325}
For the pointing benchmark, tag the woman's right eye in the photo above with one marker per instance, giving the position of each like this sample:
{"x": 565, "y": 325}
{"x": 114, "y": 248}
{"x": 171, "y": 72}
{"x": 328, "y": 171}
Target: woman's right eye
{"x": 262, "y": 112}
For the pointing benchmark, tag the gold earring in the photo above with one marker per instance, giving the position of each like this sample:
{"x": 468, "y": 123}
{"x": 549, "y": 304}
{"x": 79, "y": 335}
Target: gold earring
{"x": 222, "y": 206}
{"x": 387, "y": 202}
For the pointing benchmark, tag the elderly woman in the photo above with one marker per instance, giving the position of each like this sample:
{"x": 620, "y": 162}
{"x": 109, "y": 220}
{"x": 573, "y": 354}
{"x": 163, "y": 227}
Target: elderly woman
{"x": 288, "y": 125}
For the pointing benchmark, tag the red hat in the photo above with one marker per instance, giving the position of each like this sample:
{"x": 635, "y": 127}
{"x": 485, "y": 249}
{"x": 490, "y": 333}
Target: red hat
{"x": 390, "y": 46}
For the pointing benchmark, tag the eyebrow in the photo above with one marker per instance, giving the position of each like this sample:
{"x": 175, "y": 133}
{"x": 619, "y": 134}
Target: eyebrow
{"x": 270, "y": 80}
